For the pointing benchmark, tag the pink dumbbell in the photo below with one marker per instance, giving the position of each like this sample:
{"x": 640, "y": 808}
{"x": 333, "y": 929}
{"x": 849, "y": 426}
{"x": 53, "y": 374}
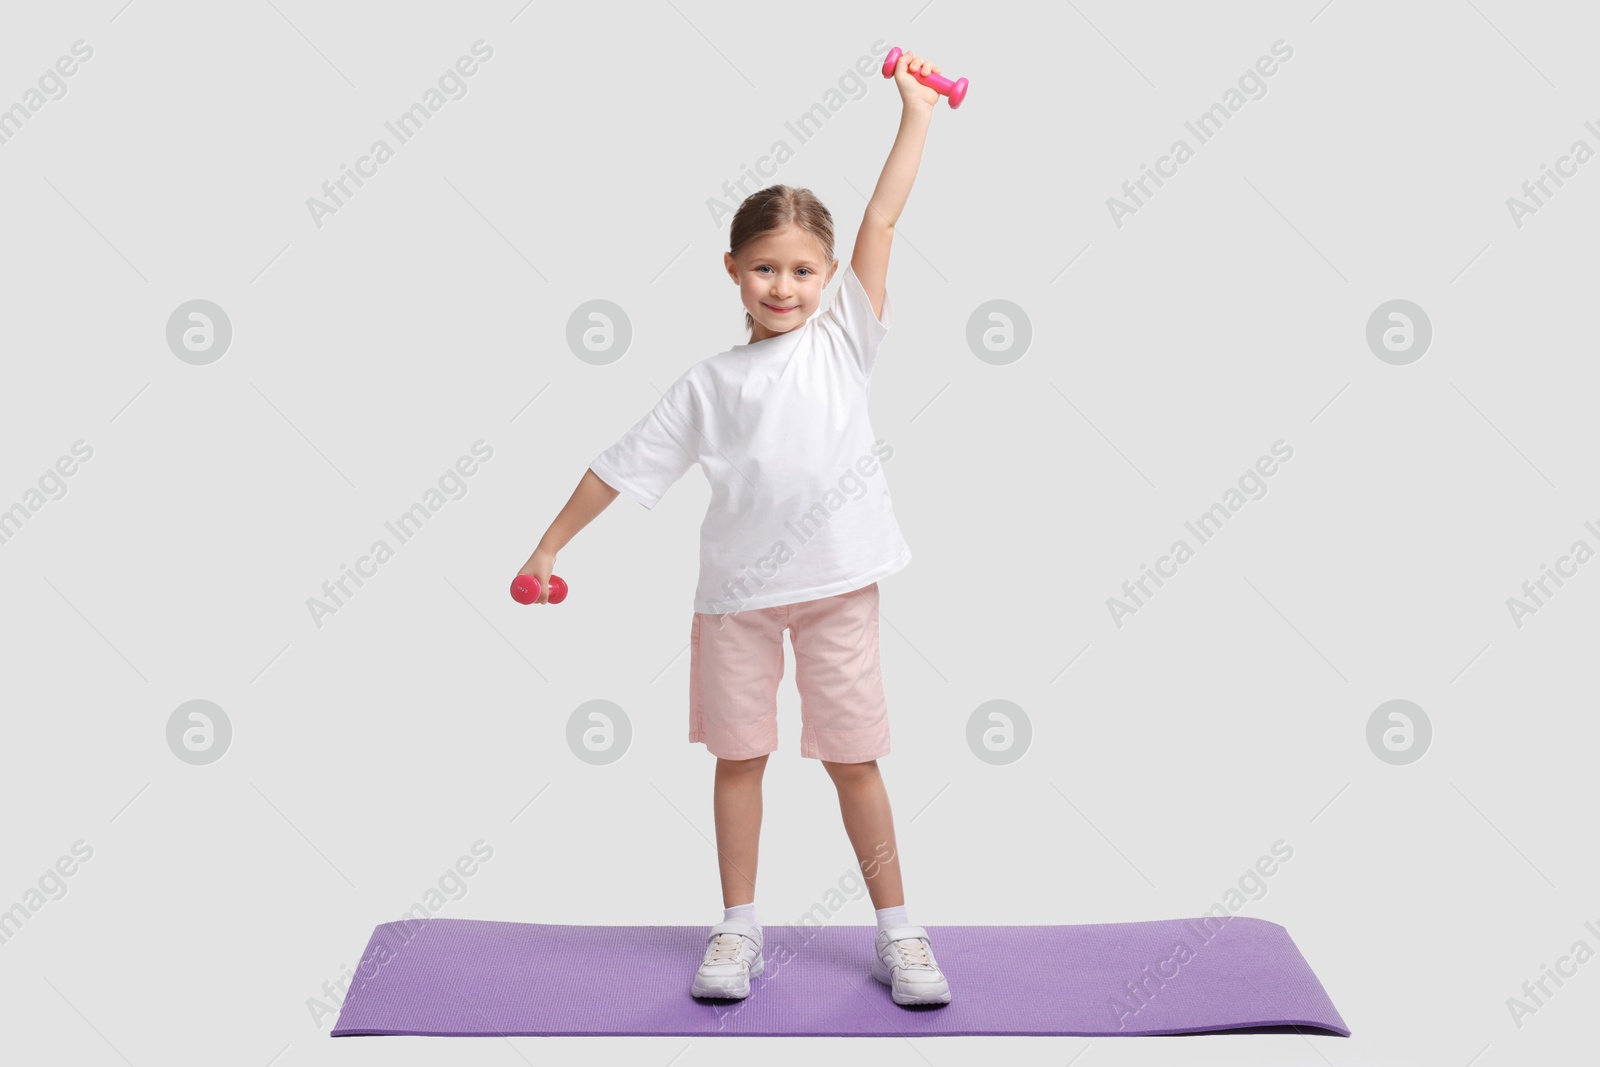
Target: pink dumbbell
{"x": 525, "y": 589}
{"x": 954, "y": 91}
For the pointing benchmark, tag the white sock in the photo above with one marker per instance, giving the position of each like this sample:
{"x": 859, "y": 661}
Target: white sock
{"x": 742, "y": 912}
{"x": 895, "y": 916}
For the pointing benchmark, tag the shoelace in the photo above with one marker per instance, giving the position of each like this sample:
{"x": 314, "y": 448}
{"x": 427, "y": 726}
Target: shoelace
{"x": 726, "y": 947}
{"x": 914, "y": 952}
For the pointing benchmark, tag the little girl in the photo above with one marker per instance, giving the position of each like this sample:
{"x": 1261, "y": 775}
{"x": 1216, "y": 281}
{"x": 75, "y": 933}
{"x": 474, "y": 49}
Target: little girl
{"x": 799, "y": 530}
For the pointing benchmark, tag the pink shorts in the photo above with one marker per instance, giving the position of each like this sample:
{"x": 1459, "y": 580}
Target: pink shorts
{"x": 736, "y": 662}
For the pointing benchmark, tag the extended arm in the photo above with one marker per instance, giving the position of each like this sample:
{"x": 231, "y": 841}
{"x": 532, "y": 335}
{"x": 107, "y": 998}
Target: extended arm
{"x": 590, "y": 498}
{"x": 870, "y": 259}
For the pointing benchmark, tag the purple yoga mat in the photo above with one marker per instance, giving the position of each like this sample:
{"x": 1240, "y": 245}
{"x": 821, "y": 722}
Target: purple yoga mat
{"x": 466, "y": 977}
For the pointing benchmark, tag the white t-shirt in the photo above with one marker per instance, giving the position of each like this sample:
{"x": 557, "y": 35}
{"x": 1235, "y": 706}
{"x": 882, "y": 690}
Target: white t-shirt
{"x": 799, "y": 506}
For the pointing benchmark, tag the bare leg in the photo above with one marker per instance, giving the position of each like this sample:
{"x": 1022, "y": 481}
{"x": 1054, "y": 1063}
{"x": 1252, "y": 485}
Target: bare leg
{"x": 738, "y": 813}
{"x": 864, "y": 803}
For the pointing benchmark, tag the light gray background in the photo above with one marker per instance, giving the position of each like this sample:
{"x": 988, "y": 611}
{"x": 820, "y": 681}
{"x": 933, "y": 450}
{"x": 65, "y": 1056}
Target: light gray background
{"x": 367, "y": 355}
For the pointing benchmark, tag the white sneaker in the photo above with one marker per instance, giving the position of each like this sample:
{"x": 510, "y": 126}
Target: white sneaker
{"x": 906, "y": 965}
{"x": 733, "y": 957}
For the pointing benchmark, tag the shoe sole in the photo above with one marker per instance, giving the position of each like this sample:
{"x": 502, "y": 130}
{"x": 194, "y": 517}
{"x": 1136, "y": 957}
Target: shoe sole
{"x": 718, "y": 989}
{"x": 942, "y": 996}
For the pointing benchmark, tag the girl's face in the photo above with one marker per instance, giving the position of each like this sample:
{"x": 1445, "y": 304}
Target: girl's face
{"x": 781, "y": 276}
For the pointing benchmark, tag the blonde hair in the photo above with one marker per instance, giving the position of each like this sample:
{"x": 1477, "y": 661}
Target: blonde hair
{"x": 773, "y": 208}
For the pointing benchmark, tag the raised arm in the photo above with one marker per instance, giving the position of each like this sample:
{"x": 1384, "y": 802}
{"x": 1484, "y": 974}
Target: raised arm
{"x": 870, "y": 260}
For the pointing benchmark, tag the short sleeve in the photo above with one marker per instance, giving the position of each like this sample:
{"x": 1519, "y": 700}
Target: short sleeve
{"x": 645, "y": 462}
{"x": 849, "y": 321}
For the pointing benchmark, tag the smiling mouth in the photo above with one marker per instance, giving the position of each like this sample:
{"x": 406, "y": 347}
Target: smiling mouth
{"x": 781, "y": 311}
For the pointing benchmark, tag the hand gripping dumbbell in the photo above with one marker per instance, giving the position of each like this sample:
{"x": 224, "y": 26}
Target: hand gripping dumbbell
{"x": 954, "y": 91}
{"x": 525, "y": 589}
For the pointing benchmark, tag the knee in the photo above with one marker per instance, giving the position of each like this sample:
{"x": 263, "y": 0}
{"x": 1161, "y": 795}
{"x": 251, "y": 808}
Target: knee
{"x": 753, "y": 765}
{"x": 850, "y": 773}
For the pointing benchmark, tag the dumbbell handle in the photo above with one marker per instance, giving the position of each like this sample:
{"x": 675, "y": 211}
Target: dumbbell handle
{"x": 954, "y": 91}
{"x": 525, "y": 589}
